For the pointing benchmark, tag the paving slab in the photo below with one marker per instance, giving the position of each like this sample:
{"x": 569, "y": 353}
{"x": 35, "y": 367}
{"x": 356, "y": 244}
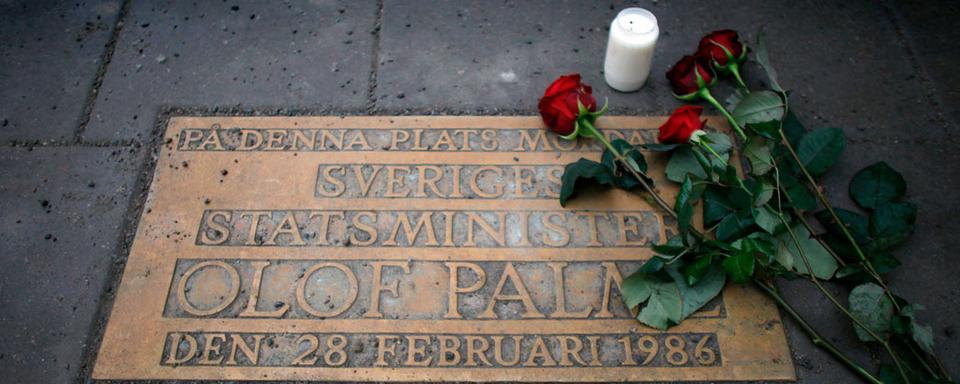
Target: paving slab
{"x": 927, "y": 272}
{"x": 267, "y": 55}
{"x": 931, "y": 26}
{"x": 49, "y": 56}
{"x": 61, "y": 216}
{"x": 464, "y": 56}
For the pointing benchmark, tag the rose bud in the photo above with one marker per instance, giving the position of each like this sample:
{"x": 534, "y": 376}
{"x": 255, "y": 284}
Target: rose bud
{"x": 721, "y": 48}
{"x": 682, "y": 125}
{"x": 689, "y": 77}
{"x": 560, "y": 106}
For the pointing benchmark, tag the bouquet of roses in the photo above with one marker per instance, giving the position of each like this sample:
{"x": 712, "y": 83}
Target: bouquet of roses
{"x": 759, "y": 227}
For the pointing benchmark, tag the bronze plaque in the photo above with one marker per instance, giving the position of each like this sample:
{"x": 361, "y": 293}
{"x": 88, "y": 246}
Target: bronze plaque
{"x": 405, "y": 249}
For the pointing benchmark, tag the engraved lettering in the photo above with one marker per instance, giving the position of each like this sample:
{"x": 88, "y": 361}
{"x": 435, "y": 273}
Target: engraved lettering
{"x": 331, "y": 312}
{"x": 378, "y": 287}
{"x": 510, "y": 273}
{"x": 251, "y": 309}
{"x": 233, "y": 279}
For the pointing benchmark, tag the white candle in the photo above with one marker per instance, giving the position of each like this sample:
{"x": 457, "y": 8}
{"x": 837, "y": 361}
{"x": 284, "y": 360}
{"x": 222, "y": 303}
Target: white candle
{"x": 633, "y": 35}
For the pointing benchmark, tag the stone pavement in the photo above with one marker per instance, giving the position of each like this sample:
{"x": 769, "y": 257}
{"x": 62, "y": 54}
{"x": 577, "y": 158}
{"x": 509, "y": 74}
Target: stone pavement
{"x": 85, "y": 82}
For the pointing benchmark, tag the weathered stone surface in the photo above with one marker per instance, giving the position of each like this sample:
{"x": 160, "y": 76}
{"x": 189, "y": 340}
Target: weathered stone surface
{"x": 61, "y": 215}
{"x": 49, "y": 55}
{"x": 248, "y": 54}
{"x": 936, "y": 43}
{"x": 831, "y": 54}
{"x": 926, "y": 257}
{"x": 294, "y": 247}
{"x": 465, "y": 55}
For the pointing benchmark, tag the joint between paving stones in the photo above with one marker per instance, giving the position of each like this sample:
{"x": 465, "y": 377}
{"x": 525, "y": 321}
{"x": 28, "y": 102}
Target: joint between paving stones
{"x": 927, "y": 84}
{"x": 91, "y": 98}
{"x": 374, "y": 60}
{"x": 71, "y": 143}
{"x": 131, "y": 220}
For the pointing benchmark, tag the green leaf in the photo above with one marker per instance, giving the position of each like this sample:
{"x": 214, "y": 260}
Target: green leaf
{"x": 740, "y": 266}
{"x": 793, "y": 129}
{"x": 873, "y": 309}
{"x": 768, "y": 129}
{"x": 734, "y": 99}
{"x": 740, "y": 197}
{"x": 720, "y": 143}
{"x": 889, "y": 374}
{"x": 716, "y": 206}
{"x": 759, "y": 107}
{"x": 734, "y": 225}
{"x": 763, "y": 58}
{"x": 697, "y": 295}
{"x": 855, "y": 223}
{"x": 758, "y": 153}
{"x": 850, "y": 270}
{"x": 820, "y": 149}
{"x": 684, "y": 206}
{"x": 822, "y": 263}
{"x": 784, "y": 257}
{"x": 658, "y": 147}
{"x": 876, "y": 185}
{"x": 664, "y": 306}
{"x": 801, "y": 197}
{"x": 884, "y": 262}
{"x": 668, "y": 249}
{"x": 921, "y": 334}
{"x": 766, "y": 219}
{"x": 762, "y": 191}
{"x": 684, "y": 162}
{"x": 628, "y": 151}
{"x": 637, "y": 288}
{"x": 705, "y": 164}
{"x": 655, "y": 264}
{"x": 694, "y": 270}
{"x": 580, "y": 173}
{"x": 891, "y": 224}
{"x": 622, "y": 177}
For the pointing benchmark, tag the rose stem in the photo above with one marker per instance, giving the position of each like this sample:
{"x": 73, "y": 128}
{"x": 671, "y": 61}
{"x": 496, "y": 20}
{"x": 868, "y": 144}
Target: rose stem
{"x": 833, "y": 214}
{"x": 705, "y": 93}
{"x": 869, "y": 265}
{"x": 813, "y": 278}
{"x": 816, "y": 282}
{"x": 715, "y": 154}
{"x": 735, "y": 70}
{"x": 782, "y": 194}
{"x": 814, "y": 336}
{"x": 593, "y": 132}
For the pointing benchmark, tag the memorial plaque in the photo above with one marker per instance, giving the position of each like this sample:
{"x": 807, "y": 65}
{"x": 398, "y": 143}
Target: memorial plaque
{"x": 406, "y": 249}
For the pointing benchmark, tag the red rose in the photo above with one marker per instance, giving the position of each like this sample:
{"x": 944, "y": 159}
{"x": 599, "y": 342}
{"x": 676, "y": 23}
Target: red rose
{"x": 720, "y": 46}
{"x": 558, "y": 106}
{"x": 689, "y": 75}
{"x": 682, "y": 123}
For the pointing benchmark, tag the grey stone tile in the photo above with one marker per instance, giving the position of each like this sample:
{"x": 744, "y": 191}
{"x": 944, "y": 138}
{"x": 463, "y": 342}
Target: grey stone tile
{"x": 253, "y": 54}
{"x": 931, "y": 27}
{"x": 813, "y": 364}
{"x": 61, "y": 213}
{"x": 461, "y": 55}
{"x": 49, "y": 56}
{"x": 927, "y": 275}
